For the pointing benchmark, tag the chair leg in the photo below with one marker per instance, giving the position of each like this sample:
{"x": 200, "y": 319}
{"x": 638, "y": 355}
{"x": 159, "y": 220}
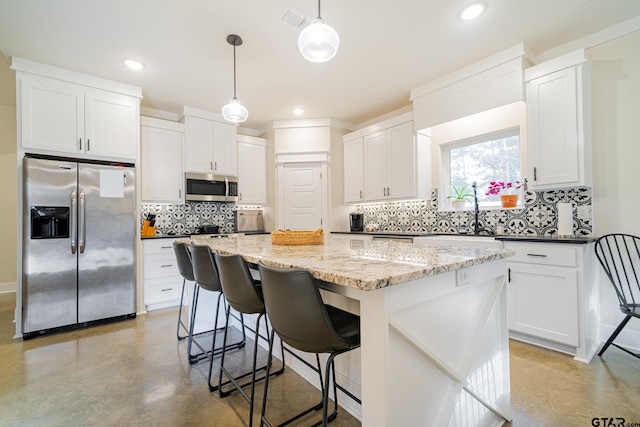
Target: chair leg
{"x": 615, "y": 334}
{"x": 194, "y": 307}
{"x": 180, "y": 322}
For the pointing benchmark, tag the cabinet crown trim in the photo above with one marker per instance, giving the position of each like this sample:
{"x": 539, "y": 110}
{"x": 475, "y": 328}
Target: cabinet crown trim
{"x": 386, "y": 124}
{"x": 43, "y": 70}
{"x": 551, "y": 66}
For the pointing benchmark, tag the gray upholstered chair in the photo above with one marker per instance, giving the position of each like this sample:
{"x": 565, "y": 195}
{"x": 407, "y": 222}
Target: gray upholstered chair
{"x": 243, "y": 294}
{"x": 206, "y": 275}
{"x": 183, "y": 258}
{"x": 303, "y": 321}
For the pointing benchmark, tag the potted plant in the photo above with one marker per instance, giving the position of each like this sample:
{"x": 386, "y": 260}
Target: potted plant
{"x": 510, "y": 197}
{"x": 459, "y": 197}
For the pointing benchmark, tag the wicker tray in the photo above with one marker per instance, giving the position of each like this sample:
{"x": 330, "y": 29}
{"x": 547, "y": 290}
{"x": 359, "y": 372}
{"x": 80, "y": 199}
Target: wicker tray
{"x": 297, "y": 237}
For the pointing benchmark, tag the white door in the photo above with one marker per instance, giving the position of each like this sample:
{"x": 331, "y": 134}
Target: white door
{"x": 303, "y": 196}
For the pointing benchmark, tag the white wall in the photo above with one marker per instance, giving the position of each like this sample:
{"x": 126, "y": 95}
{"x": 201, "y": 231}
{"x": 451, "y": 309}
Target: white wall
{"x": 616, "y": 158}
{"x": 8, "y": 213}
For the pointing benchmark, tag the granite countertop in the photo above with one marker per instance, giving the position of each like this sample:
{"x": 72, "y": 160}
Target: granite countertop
{"x": 579, "y": 240}
{"x": 361, "y": 265}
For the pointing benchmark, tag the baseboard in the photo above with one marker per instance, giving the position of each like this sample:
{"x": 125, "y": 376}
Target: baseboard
{"x": 628, "y": 338}
{"x": 7, "y": 287}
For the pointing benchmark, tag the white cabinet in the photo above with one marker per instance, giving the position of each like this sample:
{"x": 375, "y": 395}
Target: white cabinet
{"x": 252, "y": 170}
{"x": 210, "y": 145}
{"x": 354, "y": 170}
{"x": 552, "y": 296}
{"x": 162, "y": 280}
{"x": 393, "y": 162}
{"x": 161, "y": 172}
{"x": 558, "y": 123}
{"x": 58, "y": 117}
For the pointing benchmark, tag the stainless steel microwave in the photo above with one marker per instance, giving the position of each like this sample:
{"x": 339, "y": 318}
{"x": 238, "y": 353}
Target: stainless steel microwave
{"x": 211, "y": 188}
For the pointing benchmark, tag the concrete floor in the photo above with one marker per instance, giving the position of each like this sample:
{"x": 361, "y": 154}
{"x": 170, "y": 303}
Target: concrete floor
{"x": 135, "y": 373}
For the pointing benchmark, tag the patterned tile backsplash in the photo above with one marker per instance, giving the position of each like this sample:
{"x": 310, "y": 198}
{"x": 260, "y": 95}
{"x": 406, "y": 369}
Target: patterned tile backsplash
{"x": 186, "y": 218}
{"x": 537, "y": 218}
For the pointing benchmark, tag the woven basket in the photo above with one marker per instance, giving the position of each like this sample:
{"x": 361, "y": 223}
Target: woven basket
{"x": 297, "y": 237}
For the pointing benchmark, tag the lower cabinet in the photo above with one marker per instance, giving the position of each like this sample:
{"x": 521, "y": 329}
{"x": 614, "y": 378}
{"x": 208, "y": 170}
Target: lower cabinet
{"x": 162, "y": 280}
{"x": 552, "y": 296}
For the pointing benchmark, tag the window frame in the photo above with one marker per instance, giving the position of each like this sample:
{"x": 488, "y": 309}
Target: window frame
{"x": 445, "y": 165}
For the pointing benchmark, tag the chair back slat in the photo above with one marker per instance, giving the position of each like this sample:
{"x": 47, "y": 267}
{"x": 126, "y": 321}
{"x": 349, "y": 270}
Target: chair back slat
{"x": 619, "y": 255}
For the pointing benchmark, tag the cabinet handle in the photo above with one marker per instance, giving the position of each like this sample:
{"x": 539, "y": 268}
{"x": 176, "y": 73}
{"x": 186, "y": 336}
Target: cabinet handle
{"x": 165, "y": 290}
{"x": 361, "y": 194}
{"x": 535, "y": 173}
{"x": 384, "y": 191}
{"x": 537, "y": 255}
{"x": 165, "y": 247}
{"x": 210, "y": 165}
{"x": 179, "y": 194}
{"x": 80, "y": 149}
{"x": 215, "y": 166}
{"x": 240, "y": 196}
{"x": 388, "y": 191}
{"x": 166, "y": 265}
{"x": 508, "y": 275}
{"x": 88, "y": 145}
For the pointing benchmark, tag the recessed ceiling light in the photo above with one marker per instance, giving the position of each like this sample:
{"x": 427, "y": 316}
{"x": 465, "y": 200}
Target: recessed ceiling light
{"x": 472, "y": 11}
{"x": 298, "y": 111}
{"x": 133, "y": 64}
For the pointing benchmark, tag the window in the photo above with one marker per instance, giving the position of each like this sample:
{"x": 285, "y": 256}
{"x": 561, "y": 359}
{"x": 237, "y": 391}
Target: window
{"x": 485, "y": 158}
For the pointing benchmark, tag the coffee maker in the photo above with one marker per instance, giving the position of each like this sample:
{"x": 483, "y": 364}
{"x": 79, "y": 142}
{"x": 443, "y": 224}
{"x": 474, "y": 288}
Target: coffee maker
{"x": 356, "y": 221}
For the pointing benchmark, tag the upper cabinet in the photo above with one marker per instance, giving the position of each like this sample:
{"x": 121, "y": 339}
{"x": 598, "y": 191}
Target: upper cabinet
{"x": 393, "y": 164}
{"x": 210, "y": 143}
{"x": 354, "y": 171}
{"x": 162, "y": 177}
{"x": 90, "y": 119}
{"x": 559, "y": 123}
{"x": 252, "y": 170}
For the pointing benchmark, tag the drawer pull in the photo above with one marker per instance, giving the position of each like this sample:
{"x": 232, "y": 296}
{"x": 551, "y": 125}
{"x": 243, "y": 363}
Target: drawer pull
{"x": 165, "y": 290}
{"x": 166, "y": 265}
{"x": 165, "y": 247}
{"x": 537, "y": 255}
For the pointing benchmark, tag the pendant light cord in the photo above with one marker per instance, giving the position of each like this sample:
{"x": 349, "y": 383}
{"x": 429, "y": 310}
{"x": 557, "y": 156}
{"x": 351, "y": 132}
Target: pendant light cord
{"x": 234, "y": 71}
{"x": 319, "y": 10}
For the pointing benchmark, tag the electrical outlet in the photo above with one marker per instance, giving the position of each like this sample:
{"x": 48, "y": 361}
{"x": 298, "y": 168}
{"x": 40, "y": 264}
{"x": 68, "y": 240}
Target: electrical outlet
{"x": 584, "y": 212}
{"x": 463, "y": 277}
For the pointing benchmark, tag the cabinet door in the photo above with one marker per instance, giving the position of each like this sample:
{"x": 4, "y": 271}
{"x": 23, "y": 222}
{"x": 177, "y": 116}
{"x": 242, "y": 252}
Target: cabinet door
{"x": 402, "y": 162}
{"x": 111, "y": 124}
{"x": 225, "y": 149}
{"x": 198, "y": 134}
{"x": 354, "y": 171}
{"x": 252, "y": 174}
{"x": 51, "y": 115}
{"x": 161, "y": 165}
{"x": 543, "y": 302}
{"x": 553, "y": 129}
{"x": 375, "y": 166}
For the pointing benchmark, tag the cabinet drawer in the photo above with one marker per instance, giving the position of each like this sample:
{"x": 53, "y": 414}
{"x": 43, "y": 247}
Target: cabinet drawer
{"x": 158, "y": 246}
{"x": 157, "y": 266}
{"x": 546, "y": 254}
{"x": 162, "y": 290}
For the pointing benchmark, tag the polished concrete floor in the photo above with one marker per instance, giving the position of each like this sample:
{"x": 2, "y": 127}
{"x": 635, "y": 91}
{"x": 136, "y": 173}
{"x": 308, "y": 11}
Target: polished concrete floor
{"x": 135, "y": 373}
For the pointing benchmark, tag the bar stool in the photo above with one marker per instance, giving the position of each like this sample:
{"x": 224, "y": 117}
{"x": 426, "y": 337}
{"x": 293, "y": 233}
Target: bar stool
{"x": 245, "y": 296}
{"x": 183, "y": 258}
{"x": 302, "y": 320}
{"x": 206, "y": 275}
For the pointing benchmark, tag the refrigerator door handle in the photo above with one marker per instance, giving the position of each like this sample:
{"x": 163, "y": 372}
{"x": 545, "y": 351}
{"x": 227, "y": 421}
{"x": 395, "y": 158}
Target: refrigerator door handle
{"x": 74, "y": 222}
{"x": 82, "y": 227}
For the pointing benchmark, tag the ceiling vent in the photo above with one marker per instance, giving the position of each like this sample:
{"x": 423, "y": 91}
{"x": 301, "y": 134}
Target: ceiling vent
{"x": 297, "y": 18}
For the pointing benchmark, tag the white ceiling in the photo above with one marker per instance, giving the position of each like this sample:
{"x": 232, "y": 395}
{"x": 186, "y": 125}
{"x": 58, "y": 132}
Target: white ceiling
{"x": 388, "y": 47}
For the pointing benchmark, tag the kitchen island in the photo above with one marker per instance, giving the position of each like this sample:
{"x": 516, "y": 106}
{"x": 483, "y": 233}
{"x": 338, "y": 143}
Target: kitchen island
{"x": 433, "y": 324}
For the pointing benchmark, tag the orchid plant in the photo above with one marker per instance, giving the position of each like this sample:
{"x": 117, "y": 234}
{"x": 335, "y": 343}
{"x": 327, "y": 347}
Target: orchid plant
{"x": 495, "y": 187}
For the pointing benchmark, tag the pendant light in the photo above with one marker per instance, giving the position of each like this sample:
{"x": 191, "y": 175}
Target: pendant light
{"x": 318, "y": 42}
{"x": 234, "y": 111}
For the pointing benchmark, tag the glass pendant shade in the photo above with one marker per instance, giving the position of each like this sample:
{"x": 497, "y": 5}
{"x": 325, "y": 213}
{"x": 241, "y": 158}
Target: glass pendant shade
{"x": 318, "y": 42}
{"x": 235, "y": 112}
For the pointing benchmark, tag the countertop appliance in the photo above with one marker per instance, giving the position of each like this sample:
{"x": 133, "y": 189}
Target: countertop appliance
{"x": 211, "y": 188}
{"x": 78, "y": 241}
{"x": 356, "y": 221}
{"x": 249, "y": 220}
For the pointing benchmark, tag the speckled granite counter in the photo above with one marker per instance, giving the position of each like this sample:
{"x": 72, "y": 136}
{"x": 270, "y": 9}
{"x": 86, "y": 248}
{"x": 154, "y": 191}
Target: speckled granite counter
{"x": 361, "y": 265}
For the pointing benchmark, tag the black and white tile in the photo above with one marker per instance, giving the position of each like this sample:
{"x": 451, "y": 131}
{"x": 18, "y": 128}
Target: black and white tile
{"x": 186, "y": 218}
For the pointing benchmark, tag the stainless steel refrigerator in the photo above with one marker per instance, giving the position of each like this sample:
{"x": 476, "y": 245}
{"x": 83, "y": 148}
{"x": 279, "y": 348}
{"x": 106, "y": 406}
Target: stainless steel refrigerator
{"x": 79, "y": 233}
